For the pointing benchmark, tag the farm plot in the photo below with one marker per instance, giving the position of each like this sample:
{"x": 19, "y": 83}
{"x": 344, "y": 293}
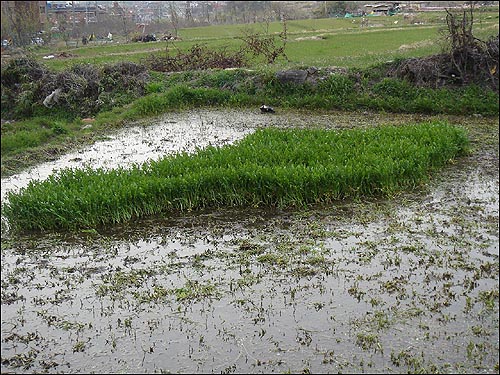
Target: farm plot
{"x": 403, "y": 284}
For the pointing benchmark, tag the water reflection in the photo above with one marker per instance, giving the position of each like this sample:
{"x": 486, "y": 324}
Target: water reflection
{"x": 396, "y": 285}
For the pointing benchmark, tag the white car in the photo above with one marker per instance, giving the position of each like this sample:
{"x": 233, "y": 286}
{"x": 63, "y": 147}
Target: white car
{"x": 38, "y": 41}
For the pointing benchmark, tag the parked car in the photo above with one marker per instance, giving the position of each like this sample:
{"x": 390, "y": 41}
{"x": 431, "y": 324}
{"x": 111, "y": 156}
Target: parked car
{"x": 145, "y": 38}
{"x": 37, "y": 41}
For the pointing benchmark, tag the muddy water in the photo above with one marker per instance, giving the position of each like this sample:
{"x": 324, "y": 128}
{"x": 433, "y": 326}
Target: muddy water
{"x": 407, "y": 284}
{"x": 137, "y": 144}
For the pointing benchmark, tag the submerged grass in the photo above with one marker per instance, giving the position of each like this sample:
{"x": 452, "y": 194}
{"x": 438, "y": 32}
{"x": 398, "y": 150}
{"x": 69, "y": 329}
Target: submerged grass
{"x": 271, "y": 167}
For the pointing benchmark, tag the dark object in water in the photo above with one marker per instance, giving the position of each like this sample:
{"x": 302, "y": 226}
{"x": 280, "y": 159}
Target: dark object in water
{"x": 266, "y": 109}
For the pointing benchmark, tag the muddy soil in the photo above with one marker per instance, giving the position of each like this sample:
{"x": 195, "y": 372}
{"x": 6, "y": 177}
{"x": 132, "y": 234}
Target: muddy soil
{"x": 404, "y": 284}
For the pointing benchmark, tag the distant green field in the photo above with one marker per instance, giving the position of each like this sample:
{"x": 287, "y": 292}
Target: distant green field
{"x": 312, "y": 42}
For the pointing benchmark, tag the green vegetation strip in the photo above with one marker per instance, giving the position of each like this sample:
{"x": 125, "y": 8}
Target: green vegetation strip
{"x": 271, "y": 167}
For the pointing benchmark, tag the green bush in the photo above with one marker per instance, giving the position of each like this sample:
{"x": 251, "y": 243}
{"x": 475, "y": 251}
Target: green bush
{"x": 154, "y": 87}
{"x": 338, "y": 85}
{"x": 394, "y": 88}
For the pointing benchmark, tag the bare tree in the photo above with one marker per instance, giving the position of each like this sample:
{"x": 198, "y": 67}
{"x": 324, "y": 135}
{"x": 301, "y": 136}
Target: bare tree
{"x": 188, "y": 16}
{"x": 174, "y": 16}
{"x": 158, "y": 11}
{"x": 206, "y": 9}
{"x": 126, "y": 23}
{"x": 266, "y": 44}
{"x": 278, "y": 8}
{"x": 23, "y": 20}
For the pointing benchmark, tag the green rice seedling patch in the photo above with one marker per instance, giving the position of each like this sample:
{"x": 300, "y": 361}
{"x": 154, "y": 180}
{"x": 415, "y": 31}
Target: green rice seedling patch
{"x": 271, "y": 167}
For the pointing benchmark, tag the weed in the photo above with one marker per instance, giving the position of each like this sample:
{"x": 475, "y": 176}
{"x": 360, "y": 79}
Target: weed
{"x": 368, "y": 341}
{"x": 79, "y": 346}
{"x": 488, "y": 298}
{"x": 194, "y": 290}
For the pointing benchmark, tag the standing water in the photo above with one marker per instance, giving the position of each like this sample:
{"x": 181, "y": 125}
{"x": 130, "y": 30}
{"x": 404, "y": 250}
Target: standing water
{"x": 407, "y": 284}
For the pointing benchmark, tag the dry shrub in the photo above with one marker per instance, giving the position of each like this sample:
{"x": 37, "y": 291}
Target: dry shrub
{"x": 22, "y": 69}
{"x": 200, "y": 57}
{"x": 86, "y": 89}
{"x": 468, "y": 60}
{"x": 197, "y": 58}
{"x": 126, "y": 76}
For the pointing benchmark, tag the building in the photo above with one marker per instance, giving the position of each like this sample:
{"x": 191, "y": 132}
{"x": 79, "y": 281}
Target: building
{"x": 382, "y": 8}
{"x": 78, "y": 12}
{"x": 23, "y": 22}
{"x": 37, "y": 10}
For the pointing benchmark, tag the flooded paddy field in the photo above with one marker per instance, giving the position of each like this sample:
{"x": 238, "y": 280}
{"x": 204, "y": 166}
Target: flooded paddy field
{"x": 396, "y": 285}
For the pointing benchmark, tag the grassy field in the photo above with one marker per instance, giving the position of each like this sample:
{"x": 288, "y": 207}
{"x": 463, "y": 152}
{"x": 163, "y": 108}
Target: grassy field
{"x": 320, "y": 42}
{"x": 342, "y": 48}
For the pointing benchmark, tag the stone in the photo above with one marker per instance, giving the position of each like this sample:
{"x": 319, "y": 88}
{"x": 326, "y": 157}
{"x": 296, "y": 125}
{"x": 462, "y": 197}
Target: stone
{"x": 292, "y": 76}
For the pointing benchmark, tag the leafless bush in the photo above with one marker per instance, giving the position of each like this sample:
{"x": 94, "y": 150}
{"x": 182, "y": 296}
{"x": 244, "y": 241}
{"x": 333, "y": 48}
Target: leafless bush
{"x": 267, "y": 45}
{"x": 200, "y": 57}
{"x": 24, "y": 68}
{"x": 125, "y": 76}
{"x": 420, "y": 71}
{"x": 84, "y": 89}
{"x": 471, "y": 58}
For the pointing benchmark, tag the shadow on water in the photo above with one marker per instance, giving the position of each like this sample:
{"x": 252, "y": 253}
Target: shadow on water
{"x": 407, "y": 284}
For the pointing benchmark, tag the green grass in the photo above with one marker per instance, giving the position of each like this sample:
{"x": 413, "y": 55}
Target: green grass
{"x": 270, "y": 167}
{"x": 345, "y": 42}
{"x": 336, "y": 92}
{"x": 363, "y": 49}
{"x": 40, "y": 138}
{"x": 19, "y": 136}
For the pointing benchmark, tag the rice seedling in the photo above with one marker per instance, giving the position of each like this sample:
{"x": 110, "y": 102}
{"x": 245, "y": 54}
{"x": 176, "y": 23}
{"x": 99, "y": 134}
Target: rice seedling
{"x": 79, "y": 346}
{"x": 368, "y": 341}
{"x": 193, "y": 290}
{"x": 271, "y": 167}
